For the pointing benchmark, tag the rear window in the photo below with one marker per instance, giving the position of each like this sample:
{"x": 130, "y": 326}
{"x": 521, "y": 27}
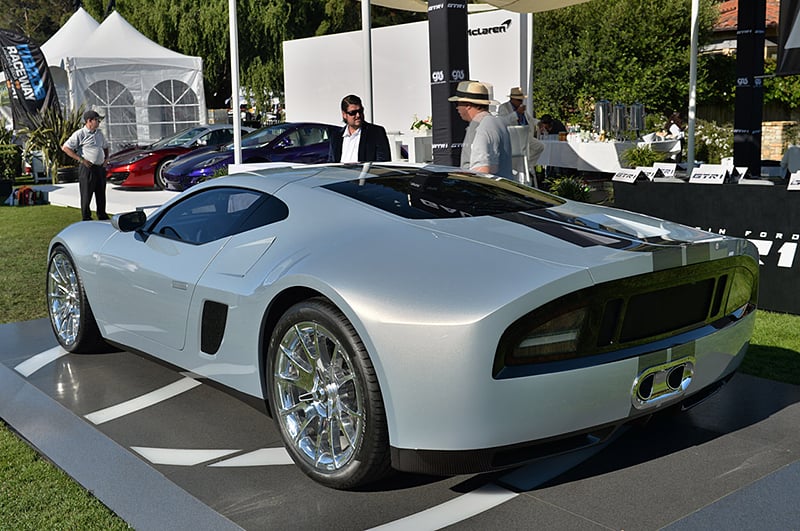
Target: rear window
{"x": 423, "y": 194}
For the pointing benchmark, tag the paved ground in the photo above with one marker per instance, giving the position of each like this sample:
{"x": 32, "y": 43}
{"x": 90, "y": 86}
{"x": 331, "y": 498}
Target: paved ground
{"x": 165, "y": 450}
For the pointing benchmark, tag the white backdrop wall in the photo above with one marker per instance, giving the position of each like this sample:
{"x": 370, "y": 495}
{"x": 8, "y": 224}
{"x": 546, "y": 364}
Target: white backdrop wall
{"x": 319, "y": 71}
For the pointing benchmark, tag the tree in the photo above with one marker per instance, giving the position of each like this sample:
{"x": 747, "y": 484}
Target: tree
{"x": 624, "y": 51}
{"x": 200, "y": 28}
{"x": 38, "y": 20}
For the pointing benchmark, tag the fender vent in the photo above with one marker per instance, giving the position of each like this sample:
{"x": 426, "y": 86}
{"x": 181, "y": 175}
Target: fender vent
{"x": 212, "y": 328}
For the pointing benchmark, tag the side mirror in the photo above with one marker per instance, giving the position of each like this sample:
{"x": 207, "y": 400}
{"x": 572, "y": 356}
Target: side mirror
{"x": 129, "y": 221}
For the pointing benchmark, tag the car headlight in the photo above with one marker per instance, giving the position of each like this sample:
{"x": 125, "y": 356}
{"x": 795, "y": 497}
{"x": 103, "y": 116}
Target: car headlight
{"x": 134, "y": 158}
{"x": 213, "y": 161}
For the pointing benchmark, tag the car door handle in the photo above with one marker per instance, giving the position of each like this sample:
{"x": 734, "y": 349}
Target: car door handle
{"x": 177, "y": 284}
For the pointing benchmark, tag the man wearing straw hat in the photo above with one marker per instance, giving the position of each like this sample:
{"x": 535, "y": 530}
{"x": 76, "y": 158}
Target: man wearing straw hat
{"x": 487, "y": 144}
{"x": 513, "y": 112}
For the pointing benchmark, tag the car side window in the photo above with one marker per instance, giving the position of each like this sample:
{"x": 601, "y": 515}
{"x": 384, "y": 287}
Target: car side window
{"x": 217, "y": 213}
{"x": 220, "y": 136}
{"x": 290, "y": 140}
{"x": 310, "y": 136}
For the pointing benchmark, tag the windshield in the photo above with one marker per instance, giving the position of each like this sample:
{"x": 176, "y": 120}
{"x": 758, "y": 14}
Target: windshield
{"x": 424, "y": 194}
{"x": 261, "y": 136}
{"x": 179, "y": 138}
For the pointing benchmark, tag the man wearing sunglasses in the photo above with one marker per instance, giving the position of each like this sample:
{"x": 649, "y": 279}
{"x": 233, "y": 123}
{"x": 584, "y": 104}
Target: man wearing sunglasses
{"x": 360, "y": 140}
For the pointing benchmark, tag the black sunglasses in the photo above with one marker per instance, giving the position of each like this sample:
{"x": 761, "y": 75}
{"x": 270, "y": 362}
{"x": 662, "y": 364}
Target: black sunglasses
{"x": 354, "y": 112}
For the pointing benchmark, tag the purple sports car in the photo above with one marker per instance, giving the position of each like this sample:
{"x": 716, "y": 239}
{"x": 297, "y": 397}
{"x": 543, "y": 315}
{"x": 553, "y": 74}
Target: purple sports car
{"x": 301, "y": 142}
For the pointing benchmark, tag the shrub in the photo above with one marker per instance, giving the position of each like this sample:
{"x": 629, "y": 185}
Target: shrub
{"x": 49, "y": 132}
{"x": 6, "y": 135}
{"x": 10, "y": 161}
{"x": 641, "y": 156}
{"x": 570, "y": 188}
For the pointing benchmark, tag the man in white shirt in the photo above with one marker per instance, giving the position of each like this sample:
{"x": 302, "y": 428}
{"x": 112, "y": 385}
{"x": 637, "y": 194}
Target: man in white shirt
{"x": 514, "y": 112}
{"x": 487, "y": 144}
{"x": 360, "y": 140}
{"x": 88, "y": 146}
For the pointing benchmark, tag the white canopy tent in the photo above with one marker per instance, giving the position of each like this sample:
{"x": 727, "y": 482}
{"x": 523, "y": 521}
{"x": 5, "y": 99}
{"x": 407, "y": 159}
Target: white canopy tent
{"x": 145, "y": 91}
{"x": 70, "y": 38}
{"x": 64, "y": 43}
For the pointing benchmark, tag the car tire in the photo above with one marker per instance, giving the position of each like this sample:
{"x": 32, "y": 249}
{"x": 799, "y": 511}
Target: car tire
{"x": 325, "y": 398}
{"x": 71, "y": 316}
{"x": 159, "y": 179}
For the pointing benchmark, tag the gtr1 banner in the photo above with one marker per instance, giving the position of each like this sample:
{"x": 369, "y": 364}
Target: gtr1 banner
{"x": 449, "y": 59}
{"x": 30, "y": 86}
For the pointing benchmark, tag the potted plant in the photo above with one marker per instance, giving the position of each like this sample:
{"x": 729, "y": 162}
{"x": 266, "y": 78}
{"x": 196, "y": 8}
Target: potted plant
{"x": 48, "y": 133}
{"x": 570, "y": 187}
{"x": 641, "y": 156}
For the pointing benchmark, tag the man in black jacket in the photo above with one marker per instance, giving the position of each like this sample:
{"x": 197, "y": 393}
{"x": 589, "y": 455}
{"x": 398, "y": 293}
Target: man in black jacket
{"x": 360, "y": 140}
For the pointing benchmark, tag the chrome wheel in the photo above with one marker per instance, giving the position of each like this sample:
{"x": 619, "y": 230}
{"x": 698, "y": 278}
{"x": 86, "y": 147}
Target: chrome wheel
{"x": 64, "y": 299}
{"x": 325, "y": 398}
{"x": 159, "y": 179}
{"x": 70, "y": 314}
{"x": 320, "y": 406}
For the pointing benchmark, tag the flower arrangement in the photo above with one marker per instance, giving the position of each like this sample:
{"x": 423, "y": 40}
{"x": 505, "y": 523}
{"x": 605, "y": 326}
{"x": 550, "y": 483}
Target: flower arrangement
{"x": 421, "y": 124}
{"x": 713, "y": 142}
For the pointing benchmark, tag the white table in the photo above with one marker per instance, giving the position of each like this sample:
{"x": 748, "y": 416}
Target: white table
{"x": 419, "y": 145}
{"x": 595, "y": 156}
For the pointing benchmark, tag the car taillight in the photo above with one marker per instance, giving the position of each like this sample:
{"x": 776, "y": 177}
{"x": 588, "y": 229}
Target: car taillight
{"x": 552, "y": 339}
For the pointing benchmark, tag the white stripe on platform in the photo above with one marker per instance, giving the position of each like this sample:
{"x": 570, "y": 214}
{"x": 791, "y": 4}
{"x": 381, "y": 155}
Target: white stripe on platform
{"x": 180, "y": 456}
{"x": 455, "y": 510}
{"x": 262, "y": 457}
{"x": 34, "y": 363}
{"x": 142, "y": 402}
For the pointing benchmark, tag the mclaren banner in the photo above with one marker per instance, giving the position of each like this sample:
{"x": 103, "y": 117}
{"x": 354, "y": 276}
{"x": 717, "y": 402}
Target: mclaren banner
{"x": 30, "y": 86}
{"x": 789, "y": 39}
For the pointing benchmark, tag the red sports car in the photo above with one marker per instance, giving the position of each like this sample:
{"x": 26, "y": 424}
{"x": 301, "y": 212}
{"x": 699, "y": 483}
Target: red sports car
{"x": 141, "y": 167}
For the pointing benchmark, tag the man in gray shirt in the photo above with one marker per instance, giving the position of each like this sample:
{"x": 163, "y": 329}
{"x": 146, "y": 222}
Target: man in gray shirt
{"x": 88, "y": 146}
{"x": 487, "y": 144}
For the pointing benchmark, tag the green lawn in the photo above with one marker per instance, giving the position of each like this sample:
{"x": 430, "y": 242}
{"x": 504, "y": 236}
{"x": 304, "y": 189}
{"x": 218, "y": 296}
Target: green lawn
{"x": 33, "y": 493}
{"x": 36, "y": 495}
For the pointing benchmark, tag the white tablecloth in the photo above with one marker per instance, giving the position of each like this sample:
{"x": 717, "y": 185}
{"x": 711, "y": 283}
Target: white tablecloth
{"x": 791, "y": 159}
{"x": 595, "y": 156}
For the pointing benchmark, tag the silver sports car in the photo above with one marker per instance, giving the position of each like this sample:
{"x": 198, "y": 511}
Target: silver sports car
{"x": 420, "y": 318}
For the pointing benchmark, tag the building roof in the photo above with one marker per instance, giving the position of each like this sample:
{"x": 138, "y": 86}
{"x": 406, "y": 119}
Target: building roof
{"x": 729, "y": 15}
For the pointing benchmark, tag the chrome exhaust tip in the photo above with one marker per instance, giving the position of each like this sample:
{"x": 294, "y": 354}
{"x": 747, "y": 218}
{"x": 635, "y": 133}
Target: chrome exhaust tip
{"x": 662, "y": 383}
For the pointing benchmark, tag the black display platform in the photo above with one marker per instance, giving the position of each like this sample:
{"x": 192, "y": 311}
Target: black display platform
{"x": 768, "y": 216}
{"x": 731, "y": 462}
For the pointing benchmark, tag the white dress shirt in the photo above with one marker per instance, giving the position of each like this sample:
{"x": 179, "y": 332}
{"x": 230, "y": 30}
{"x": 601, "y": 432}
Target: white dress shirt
{"x": 350, "y": 143}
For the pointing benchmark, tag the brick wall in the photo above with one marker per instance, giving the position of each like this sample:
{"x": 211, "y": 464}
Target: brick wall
{"x": 774, "y": 139}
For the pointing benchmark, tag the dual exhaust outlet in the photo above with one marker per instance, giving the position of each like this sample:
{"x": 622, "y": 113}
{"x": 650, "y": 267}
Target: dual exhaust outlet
{"x": 662, "y": 383}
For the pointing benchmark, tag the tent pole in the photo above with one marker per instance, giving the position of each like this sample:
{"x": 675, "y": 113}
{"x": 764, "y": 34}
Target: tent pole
{"x": 366, "y": 33}
{"x": 692, "y": 86}
{"x": 237, "y": 117}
